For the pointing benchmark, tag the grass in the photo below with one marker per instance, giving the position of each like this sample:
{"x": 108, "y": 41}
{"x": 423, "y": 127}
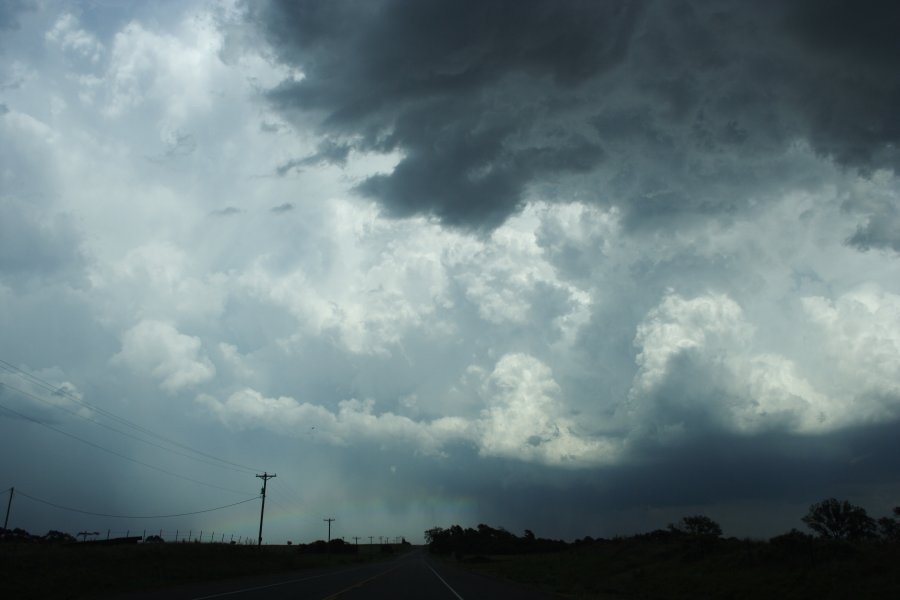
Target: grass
{"x": 85, "y": 570}
{"x": 731, "y": 569}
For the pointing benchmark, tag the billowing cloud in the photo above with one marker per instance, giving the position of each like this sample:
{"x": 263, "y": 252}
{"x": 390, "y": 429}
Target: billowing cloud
{"x": 666, "y": 105}
{"x": 354, "y": 421}
{"x": 158, "y": 350}
{"x": 624, "y": 258}
{"x": 525, "y": 418}
{"x": 70, "y": 37}
{"x": 698, "y": 370}
{"x": 522, "y": 418}
{"x": 860, "y": 334}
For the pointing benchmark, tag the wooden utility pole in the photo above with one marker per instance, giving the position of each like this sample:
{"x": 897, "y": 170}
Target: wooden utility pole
{"x": 329, "y": 527}
{"x": 12, "y": 491}
{"x": 265, "y": 477}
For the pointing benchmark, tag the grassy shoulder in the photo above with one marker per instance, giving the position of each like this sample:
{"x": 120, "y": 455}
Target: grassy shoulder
{"x": 85, "y": 570}
{"x": 730, "y": 568}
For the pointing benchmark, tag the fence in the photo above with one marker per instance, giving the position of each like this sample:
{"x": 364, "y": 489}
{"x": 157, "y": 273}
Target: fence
{"x": 169, "y": 535}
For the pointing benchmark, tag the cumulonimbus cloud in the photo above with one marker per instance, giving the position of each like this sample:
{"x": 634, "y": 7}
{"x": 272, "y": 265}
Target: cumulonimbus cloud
{"x": 666, "y": 108}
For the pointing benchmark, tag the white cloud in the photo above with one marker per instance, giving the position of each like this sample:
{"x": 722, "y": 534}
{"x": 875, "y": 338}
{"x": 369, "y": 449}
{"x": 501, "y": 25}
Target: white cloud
{"x": 522, "y": 419}
{"x": 159, "y": 280}
{"x": 354, "y": 421}
{"x": 698, "y": 363}
{"x": 68, "y": 34}
{"x": 860, "y": 340}
{"x": 525, "y": 419}
{"x": 157, "y": 349}
{"x": 714, "y": 322}
{"x": 173, "y": 71}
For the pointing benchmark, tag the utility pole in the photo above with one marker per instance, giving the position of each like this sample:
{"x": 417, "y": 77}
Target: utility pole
{"x": 356, "y": 540}
{"x": 265, "y": 477}
{"x": 370, "y": 539}
{"x": 12, "y": 491}
{"x": 329, "y": 527}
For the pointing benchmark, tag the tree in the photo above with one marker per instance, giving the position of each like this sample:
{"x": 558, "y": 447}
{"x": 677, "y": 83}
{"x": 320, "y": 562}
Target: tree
{"x": 890, "y": 527}
{"x": 698, "y": 526}
{"x": 54, "y": 536}
{"x": 839, "y": 520}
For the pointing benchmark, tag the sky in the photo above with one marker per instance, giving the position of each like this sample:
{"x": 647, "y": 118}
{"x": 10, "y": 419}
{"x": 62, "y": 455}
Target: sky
{"x": 577, "y": 267}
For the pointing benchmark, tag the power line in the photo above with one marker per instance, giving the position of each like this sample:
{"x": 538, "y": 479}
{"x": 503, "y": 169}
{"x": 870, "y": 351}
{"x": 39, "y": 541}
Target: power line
{"x": 119, "y": 454}
{"x": 94, "y": 514}
{"x": 119, "y": 431}
{"x": 110, "y": 415}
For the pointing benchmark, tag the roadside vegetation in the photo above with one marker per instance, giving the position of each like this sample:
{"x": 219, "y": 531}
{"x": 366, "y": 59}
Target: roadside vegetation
{"x": 847, "y": 555}
{"x": 57, "y": 566}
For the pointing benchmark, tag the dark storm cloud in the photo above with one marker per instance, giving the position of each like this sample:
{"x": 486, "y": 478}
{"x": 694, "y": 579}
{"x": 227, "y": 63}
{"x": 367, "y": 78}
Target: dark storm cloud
{"x": 780, "y": 474}
{"x": 680, "y": 107}
{"x": 853, "y": 55}
{"x": 449, "y": 85}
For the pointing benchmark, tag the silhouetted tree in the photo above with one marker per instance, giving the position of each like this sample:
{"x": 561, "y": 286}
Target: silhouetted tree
{"x": 839, "y": 520}
{"x": 890, "y": 527}
{"x": 698, "y": 526}
{"x": 58, "y": 537}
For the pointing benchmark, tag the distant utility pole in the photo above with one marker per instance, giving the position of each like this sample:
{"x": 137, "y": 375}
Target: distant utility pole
{"x": 12, "y": 491}
{"x": 356, "y": 540}
{"x": 329, "y": 527}
{"x": 265, "y": 477}
{"x": 370, "y": 539}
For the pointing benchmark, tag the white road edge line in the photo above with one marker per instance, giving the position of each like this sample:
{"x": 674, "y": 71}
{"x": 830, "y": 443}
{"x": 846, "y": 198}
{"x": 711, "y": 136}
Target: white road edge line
{"x": 444, "y": 582}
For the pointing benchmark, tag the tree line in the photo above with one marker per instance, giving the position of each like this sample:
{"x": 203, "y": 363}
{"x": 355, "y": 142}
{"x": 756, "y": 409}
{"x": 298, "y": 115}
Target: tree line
{"x": 830, "y": 519}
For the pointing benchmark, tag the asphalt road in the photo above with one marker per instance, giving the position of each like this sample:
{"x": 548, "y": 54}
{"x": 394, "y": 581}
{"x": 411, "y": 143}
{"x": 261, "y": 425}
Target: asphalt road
{"x": 412, "y": 576}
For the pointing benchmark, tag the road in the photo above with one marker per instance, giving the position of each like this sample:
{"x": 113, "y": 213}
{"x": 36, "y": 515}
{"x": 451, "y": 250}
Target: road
{"x": 412, "y": 576}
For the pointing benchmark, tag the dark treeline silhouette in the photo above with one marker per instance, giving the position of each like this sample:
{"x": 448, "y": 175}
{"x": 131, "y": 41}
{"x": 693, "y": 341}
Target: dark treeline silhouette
{"x": 339, "y": 546}
{"x": 20, "y": 535}
{"x": 487, "y": 540}
{"x": 831, "y": 520}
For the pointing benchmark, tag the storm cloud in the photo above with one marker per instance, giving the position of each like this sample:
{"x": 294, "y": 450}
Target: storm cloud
{"x": 663, "y": 108}
{"x": 450, "y": 262}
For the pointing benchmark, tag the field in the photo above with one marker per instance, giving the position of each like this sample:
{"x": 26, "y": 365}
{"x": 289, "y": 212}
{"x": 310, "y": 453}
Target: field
{"x": 30, "y": 570}
{"x": 734, "y": 569}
